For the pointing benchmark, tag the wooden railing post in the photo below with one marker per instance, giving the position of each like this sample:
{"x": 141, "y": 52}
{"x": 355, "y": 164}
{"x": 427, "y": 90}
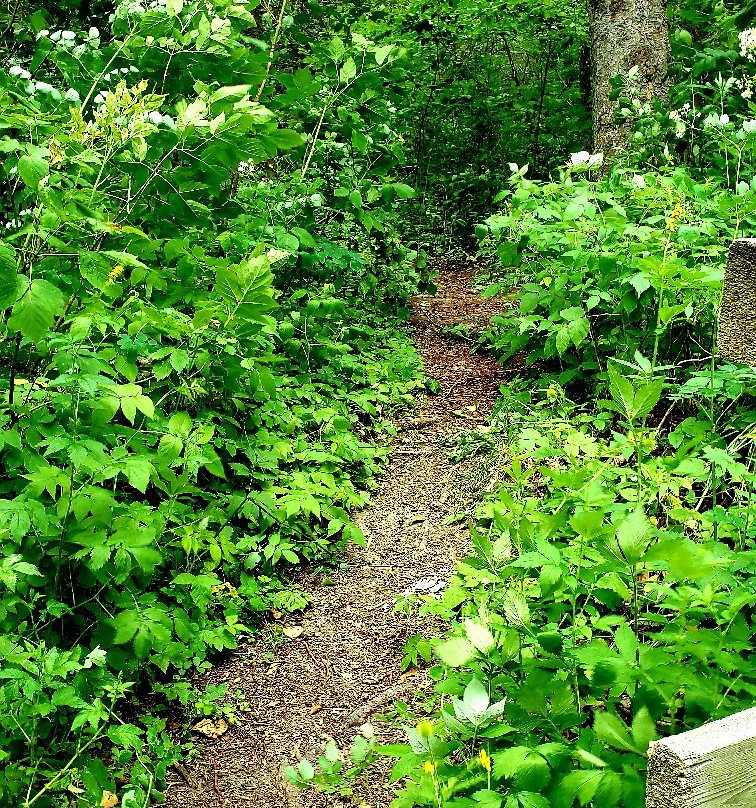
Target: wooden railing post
{"x": 737, "y": 314}
{"x": 713, "y": 766}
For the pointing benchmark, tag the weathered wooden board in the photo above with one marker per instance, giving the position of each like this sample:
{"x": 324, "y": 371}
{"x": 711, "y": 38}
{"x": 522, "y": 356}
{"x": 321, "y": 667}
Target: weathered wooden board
{"x": 737, "y": 314}
{"x": 710, "y": 767}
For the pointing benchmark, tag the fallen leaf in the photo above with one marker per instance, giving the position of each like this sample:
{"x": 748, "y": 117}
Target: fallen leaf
{"x": 109, "y": 800}
{"x": 278, "y": 615}
{"x": 292, "y": 632}
{"x": 211, "y": 728}
{"x": 416, "y": 519}
{"x": 316, "y": 708}
{"x": 407, "y": 674}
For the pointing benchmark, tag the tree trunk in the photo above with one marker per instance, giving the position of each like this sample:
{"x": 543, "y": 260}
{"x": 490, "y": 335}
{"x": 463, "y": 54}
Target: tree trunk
{"x": 625, "y": 34}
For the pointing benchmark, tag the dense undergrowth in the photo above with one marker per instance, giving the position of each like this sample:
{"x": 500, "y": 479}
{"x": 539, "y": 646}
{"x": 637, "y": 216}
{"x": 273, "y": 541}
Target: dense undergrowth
{"x": 203, "y": 274}
{"x": 609, "y": 598}
{"x": 202, "y": 283}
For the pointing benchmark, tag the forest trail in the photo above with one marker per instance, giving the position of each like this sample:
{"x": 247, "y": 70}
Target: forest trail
{"x": 342, "y": 659}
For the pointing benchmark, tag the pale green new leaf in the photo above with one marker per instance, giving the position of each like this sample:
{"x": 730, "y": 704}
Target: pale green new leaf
{"x": 456, "y": 652}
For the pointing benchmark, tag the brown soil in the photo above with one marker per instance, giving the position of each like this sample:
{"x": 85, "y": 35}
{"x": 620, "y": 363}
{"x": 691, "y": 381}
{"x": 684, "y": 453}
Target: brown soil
{"x": 344, "y": 666}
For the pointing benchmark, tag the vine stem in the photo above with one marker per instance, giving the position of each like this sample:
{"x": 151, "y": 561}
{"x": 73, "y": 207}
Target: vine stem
{"x": 273, "y": 44}
{"x": 100, "y": 732}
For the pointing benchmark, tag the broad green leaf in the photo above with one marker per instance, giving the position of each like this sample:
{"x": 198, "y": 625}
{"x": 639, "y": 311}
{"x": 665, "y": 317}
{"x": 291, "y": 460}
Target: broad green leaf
{"x": 610, "y": 729}
{"x": 36, "y": 309}
{"x": 9, "y": 279}
{"x": 475, "y": 700}
{"x": 643, "y": 730}
{"x": 646, "y": 398}
{"x": 285, "y": 139}
{"x": 403, "y": 191}
{"x": 382, "y": 53}
{"x": 621, "y": 391}
{"x": 633, "y": 535}
{"x": 32, "y": 168}
{"x": 348, "y": 70}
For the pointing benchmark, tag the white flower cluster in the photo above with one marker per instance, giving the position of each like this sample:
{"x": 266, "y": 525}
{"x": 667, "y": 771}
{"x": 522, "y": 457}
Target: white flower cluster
{"x": 34, "y": 87}
{"x": 246, "y": 169}
{"x": 639, "y": 181}
{"x": 680, "y": 127}
{"x": 584, "y": 161}
{"x": 682, "y": 118}
{"x": 749, "y": 127}
{"x": 43, "y": 87}
{"x": 746, "y": 87}
{"x": 114, "y": 74}
{"x": 715, "y": 121}
{"x": 14, "y": 224}
{"x": 68, "y": 40}
{"x": 119, "y": 71}
{"x": 748, "y": 43}
{"x": 18, "y": 71}
{"x": 137, "y": 7}
{"x": 158, "y": 118}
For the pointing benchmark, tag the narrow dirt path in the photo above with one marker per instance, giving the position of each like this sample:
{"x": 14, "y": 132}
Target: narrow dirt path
{"x": 343, "y": 662}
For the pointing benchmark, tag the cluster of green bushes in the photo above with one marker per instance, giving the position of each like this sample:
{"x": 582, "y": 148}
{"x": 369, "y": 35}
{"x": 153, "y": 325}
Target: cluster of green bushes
{"x": 609, "y": 598}
{"x": 190, "y": 377}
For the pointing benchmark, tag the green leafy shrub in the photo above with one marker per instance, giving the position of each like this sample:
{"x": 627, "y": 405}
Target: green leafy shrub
{"x": 191, "y": 384}
{"x": 612, "y": 267}
{"x": 602, "y": 607}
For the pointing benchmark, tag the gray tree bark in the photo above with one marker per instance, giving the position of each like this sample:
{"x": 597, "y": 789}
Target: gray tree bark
{"x": 625, "y": 34}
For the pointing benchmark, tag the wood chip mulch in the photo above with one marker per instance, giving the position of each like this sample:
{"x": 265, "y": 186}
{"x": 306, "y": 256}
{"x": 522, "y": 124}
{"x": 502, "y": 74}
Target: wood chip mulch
{"x": 315, "y": 676}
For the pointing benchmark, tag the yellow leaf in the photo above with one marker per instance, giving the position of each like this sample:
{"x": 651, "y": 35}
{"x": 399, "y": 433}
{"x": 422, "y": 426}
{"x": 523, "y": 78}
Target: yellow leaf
{"x": 109, "y": 800}
{"x": 210, "y": 728}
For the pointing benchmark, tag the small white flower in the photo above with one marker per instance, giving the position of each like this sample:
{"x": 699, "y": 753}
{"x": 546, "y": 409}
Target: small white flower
{"x": 99, "y": 98}
{"x": 43, "y": 33}
{"x": 155, "y": 117}
{"x": 72, "y": 95}
{"x": 748, "y": 43}
{"x": 94, "y": 33}
{"x": 43, "y": 86}
{"x": 55, "y": 36}
{"x": 69, "y": 36}
{"x": 639, "y": 181}
{"x": 747, "y": 93}
{"x": 749, "y": 126}
{"x": 15, "y": 71}
{"x": 724, "y": 119}
{"x": 169, "y": 122}
{"x": 133, "y": 69}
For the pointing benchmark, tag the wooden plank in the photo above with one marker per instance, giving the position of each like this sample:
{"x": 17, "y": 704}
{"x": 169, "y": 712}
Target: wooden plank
{"x": 710, "y": 767}
{"x": 737, "y": 313}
